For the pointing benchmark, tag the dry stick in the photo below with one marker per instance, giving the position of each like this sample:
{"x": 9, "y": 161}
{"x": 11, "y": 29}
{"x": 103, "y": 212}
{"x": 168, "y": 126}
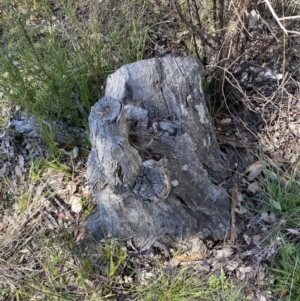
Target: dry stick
{"x": 238, "y": 15}
{"x": 289, "y": 18}
{"x": 204, "y": 36}
{"x": 280, "y": 19}
{"x": 275, "y": 16}
{"x": 199, "y": 31}
{"x": 233, "y": 203}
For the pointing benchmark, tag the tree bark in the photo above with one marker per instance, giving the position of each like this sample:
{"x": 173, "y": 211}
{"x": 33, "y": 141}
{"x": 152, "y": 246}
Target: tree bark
{"x": 155, "y": 165}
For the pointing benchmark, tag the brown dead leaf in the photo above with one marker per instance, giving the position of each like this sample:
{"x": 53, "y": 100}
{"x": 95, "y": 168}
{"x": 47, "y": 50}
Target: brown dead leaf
{"x": 201, "y": 267}
{"x": 76, "y": 203}
{"x": 181, "y": 34}
{"x": 247, "y": 239}
{"x": 231, "y": 265}
{"x": 18, "y": 171}
{"x": 268, "y": 218}
{"x": 89, "y": 283}
{"x": 283, "y": 293}
{"x": 225, "y": 121}
{"x": 256, "y": 239}
{"x": 3, "y": 169}
{"x": 254, "y": 170}
{"x": 239, "y": 208}
{"x": 183, "y": 258}
{"x": 21, "y": 162}
{"x": 71, "y": 187}
{"x": 242, "y": 271}
{"x": 261, "y": 276}
{"x": 224, "y": 253}
{"x": 253, "y": 187}
{"x": 174, "y": 262}
{"x": 262, "y": 298}
{"x": 85, "y": 192}
{"x": 79, "y": 236}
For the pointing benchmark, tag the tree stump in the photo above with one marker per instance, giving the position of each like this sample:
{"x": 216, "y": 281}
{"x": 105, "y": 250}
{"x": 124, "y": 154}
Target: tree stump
{"x": 155, "y": 164}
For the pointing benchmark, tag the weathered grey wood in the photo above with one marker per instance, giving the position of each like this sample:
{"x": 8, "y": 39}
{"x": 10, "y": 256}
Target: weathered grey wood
{"x": 155, "y": 165}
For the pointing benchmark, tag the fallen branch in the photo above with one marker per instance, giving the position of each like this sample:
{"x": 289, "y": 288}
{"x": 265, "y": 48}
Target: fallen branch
{"x": 281, "y": 19}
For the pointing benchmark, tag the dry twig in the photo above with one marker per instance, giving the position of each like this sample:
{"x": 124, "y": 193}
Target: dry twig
{"x": 281, "y": 19}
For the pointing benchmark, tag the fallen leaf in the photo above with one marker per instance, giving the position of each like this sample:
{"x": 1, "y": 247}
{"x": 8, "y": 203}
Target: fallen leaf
{"x": 247, "y": 239}
{"x": 79, "y": 236}
{"x": 240, "y": 209}
{"x": 268, "y": 218}
{"x": 293, "y": 231}
{"x": 253, "y": 18}
{"x": 74, "y": 153}
{"x": 253, "y": 187}
{"x": 226, "y": 121}
{"x": 239, "y": 197}
{"x": 85, "y": 192}
{"x": 261, "y": 276}
{"x": 272, "y": 218}
{"x": 254, "y": 170}
{"x": 180, "y": 34}
{"x": 245, "y": 270}
{"x": 256, "y": 239}
{"x": 282, "y": 293}
{"x": 242, "y": 271}
{"x": 21, "y": 161}
{"x": 202, "y": 267}
{"x": 174, "y": 262}
{"x": 231, "y": 265}
{"x": 89, "y": 283}
{"x": 183, "y": 258}
{"x": 18, "y": 171}
{"x": 271, "y": 175}
{"x": 224, "y": 253}
{"x": 71, "y": 187}
{"x": 76, "y": 203}
{"x": 3, "y": 169}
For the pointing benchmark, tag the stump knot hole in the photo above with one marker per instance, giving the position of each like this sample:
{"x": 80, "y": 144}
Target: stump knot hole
{"x": 153, "y": 182}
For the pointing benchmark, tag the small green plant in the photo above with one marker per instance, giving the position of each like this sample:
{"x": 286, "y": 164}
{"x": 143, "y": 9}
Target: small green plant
{"x": 283, "y": 197}
{"x": 286, "y": 271}
{"x": 24, "y": 202}
{"x": 219, "y": 281}
{"x": 115, "y": 255}
{"x": 39, "y": 168}
{"x": 182, "y": 284}
{"x": 54, "y": 61}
